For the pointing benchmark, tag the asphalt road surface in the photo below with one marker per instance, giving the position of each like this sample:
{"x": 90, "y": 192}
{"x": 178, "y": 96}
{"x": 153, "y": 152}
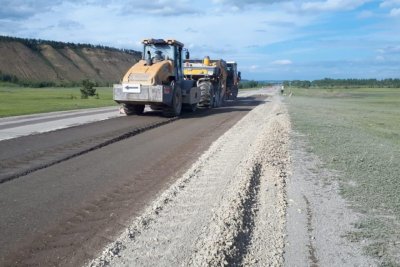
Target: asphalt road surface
{"x": 12, "y": 127}
{"x": 65, "y": 194}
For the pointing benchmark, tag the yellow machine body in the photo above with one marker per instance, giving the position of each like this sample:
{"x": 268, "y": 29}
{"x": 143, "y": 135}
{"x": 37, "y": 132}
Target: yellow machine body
{"x": 154, "y": 74}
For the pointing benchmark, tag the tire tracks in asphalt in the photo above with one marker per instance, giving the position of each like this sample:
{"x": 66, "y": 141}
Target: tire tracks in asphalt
{"x": 19, "y": 173}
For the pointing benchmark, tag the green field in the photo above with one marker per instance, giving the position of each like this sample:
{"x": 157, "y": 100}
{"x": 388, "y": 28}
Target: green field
{"x": 15, "y": 100}
{"x": 357, "y": 132}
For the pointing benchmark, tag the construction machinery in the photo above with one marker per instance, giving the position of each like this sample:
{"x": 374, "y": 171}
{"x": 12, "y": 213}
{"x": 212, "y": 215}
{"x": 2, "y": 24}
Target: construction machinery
{"x": 232, "y": 81}
{"x": 210, "y": 76}
{"x": 157, "y": 80}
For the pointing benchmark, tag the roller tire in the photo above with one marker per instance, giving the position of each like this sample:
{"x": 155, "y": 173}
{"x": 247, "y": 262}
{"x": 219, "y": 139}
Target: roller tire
{"x": 133, "y": 109}
{"x": 176, "y": 108}
{"x": 217, "y": 97}
{"x": 155, "y": 107}
{"x": 207, "y": 98}
{"x": 234, "y": 93}
{"x": 193, "y": 107}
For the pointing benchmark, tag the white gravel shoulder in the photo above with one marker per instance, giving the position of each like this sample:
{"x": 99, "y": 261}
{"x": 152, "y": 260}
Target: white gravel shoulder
{"x": 227, "y": 209}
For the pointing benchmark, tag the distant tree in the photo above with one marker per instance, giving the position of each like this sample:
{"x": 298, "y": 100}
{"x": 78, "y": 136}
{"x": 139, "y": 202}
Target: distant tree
{"x": 8, "y": 78}
{"x": 249, "y": 84}
{"x": 88, "y": 89}
{"x": 286, "y": 83}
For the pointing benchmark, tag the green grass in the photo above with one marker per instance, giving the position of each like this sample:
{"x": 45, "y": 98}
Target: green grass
{"x": 15, "y": 100}
{"x": 357, "y": 132}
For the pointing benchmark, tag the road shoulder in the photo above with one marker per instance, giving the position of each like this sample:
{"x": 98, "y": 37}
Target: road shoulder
{"x": 318, "y": 218}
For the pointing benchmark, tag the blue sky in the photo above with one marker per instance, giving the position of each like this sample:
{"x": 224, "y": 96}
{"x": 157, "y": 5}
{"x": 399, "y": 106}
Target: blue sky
{"x": 270, "y": 39}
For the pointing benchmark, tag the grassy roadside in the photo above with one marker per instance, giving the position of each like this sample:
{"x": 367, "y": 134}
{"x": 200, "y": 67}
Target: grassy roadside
{"x": 357, "y": 131}
{"x": 15, "y": 100}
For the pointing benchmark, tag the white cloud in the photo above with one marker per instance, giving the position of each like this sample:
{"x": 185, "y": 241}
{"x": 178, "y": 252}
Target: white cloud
{"x": 365, "y": 14}
{"x": 66, "y": 24}
{"x": 395, "y": 12}
{"x": 282, "y": 62}
{"x": 390, "y": 50}
{"x": 21, "y": 9}
{"x": 246, "y": 2}
{"x": 393, "y": 5}
{"x": 332, "y": 5}
{"x": 389, "y": 3}
{"x": 156, "y": 7}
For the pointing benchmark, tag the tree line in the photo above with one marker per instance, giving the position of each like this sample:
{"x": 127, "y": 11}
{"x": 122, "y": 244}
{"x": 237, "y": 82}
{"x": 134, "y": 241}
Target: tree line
{"x": 252, "y": 84}
{"x": 35, "y": 44}
{"x": 350, "y": 83}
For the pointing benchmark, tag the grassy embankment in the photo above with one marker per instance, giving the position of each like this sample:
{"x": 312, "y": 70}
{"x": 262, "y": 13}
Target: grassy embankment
{"x": 16, "y": 100}
{"x": 357, "y": 132}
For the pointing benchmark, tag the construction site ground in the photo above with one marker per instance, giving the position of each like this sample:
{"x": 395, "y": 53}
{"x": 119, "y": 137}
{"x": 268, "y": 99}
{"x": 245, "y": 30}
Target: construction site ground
{"x": 232, "y": 186}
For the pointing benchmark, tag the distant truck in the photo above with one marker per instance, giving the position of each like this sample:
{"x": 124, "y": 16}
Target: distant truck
{"x": 157, "y": 80}
{"x": 210, "y": 76}
{"x": 218, "y": 80}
